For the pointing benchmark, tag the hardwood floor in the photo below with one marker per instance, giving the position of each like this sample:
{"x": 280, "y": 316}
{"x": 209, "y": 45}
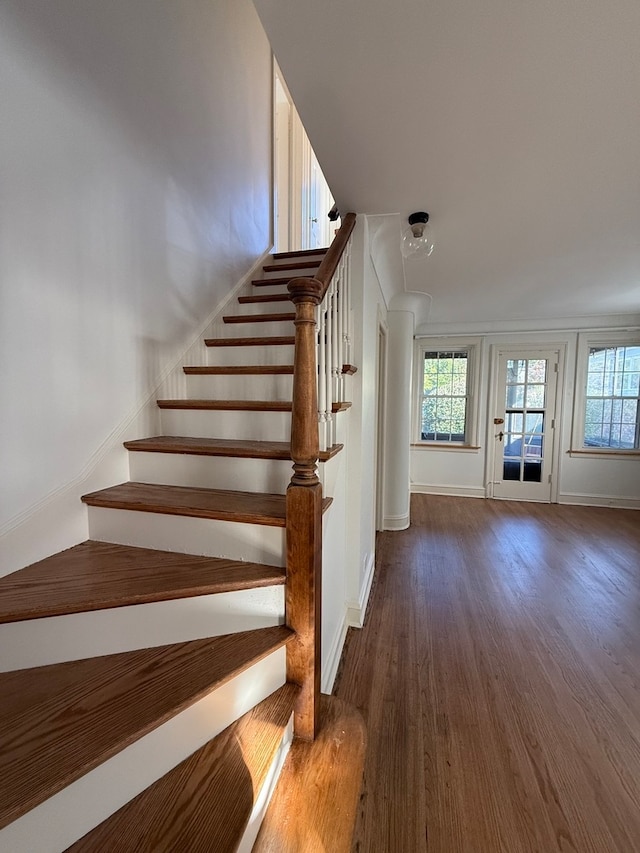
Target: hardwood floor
{"x": 499, "y": 676}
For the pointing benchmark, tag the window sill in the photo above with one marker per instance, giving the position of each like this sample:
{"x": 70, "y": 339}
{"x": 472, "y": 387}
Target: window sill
{"x": 601, "y": 453}
{"x": 441, "y": 445}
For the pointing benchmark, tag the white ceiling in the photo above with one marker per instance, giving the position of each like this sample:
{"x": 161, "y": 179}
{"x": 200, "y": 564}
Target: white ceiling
{"x": 515, "y": 124}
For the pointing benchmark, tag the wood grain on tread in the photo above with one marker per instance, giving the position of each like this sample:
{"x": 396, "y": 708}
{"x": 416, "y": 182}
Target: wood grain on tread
{"x": 349, "y": 369}
{"x": 340, "y": 407}
{"x": 222, "y": 447}
{"x": 58, "y": 722}
{"x": 260, "y": 318}
{"x": 269, "y": 297}
{"x": 245, "y": 507}
{"x": 299, "y": 253}
{"x": 203, "y": 804}
{"x": 99, "y": 575}
{"x": 301, "y": 265}
{"x": 314, "y": 806}
{"x": 240, "y": 370}
{"x": 278, "y": 340}
{"x": 229, "y": 405}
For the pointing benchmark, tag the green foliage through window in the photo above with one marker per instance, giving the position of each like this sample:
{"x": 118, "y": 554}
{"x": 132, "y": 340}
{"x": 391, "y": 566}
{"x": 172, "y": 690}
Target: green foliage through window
{"x": 444, "y": 396}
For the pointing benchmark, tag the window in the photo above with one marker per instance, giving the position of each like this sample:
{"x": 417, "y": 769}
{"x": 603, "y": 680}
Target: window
{"x": 446, "y": 379}
{"x": 612, "y": 397}
{"x": 607, "y": 403}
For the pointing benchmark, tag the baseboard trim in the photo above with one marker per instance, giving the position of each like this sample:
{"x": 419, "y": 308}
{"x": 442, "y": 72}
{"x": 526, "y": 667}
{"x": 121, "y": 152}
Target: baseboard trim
{"x": 598, "y": 500}
{"x": 395, "y": 522}
{"x": 454, "y": 491}
{"x": 330, "y": 668}
{"x": 357, "y": 610}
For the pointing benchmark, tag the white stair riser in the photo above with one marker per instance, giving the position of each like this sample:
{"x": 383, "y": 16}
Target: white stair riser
{"x": 257, "y": 330}
{"x": 255, "y": 543}
{"x": 212, "y": 472}
{"x": 68, "y": 815}
{"x": 261, "y": 801}
{"x": 39, "y": 642}
{"x": 263, "y": 289}
{"x": 280, "y": 307}
{"x": 301, "y": 272}
{"x": 255, "y": 426}
{"x": 281, "y": 354}
{"x": 241, "y": 387}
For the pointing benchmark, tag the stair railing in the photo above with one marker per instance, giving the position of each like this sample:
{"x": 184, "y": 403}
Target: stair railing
{"x": 322, "y": 347}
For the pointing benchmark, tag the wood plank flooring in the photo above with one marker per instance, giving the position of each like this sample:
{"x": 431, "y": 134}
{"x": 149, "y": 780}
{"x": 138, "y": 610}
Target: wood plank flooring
{"x": 499, "y": 676}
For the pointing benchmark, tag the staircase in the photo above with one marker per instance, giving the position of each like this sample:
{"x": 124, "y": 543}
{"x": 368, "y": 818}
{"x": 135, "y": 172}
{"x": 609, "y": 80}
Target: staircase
{"x": 143, "y": 673}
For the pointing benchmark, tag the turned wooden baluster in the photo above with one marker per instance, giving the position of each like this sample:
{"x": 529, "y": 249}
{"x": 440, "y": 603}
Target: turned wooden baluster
{"x": 304, "y": 515}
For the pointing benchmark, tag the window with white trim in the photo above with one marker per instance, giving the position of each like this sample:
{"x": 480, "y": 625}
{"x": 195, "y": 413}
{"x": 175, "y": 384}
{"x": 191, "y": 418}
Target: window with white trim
{"x": 446, "y": 380}
{"x": 607, "y": 415}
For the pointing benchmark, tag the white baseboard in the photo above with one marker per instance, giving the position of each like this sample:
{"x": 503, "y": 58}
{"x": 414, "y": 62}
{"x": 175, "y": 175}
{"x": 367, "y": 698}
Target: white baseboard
{"x": 454, "y": 491}
{"x": 356, "y": 610}
{"x": 395, "y": 522}
{"x": 598, "y": 500}
{"x": 330, "y": 667}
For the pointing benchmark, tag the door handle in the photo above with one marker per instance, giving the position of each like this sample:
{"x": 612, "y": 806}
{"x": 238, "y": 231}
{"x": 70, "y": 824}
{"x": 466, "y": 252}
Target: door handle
{"x": 500, "y": 435}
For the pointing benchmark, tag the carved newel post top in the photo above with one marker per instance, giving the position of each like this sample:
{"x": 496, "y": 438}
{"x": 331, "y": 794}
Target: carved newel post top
{"x": 305, "y": 290}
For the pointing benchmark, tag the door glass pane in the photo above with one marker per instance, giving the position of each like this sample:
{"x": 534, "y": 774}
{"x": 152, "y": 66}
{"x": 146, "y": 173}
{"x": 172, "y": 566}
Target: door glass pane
{"x": 534, "y": 422}
{"x": 535, "y": 396}
{"x": 532, "y": 472}
{"x": 515, "y": 397}
{"x": 537, "y": 370}
{"x": 511, "y": 470}
{"x": 514, "y": 422}
{"x": 516, "y": 370}
{"x": 513, "y": 444}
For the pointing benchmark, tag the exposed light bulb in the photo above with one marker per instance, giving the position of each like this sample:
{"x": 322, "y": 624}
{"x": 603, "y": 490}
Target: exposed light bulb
{"x": 417, "y": 239}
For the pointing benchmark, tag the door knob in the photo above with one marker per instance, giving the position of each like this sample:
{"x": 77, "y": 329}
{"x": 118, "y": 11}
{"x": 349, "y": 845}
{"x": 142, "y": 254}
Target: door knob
{"x": 500, "y": 435}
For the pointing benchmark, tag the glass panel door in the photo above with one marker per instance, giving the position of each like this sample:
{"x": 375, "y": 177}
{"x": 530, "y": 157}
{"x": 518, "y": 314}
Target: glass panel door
{"x": 524, "y": 418}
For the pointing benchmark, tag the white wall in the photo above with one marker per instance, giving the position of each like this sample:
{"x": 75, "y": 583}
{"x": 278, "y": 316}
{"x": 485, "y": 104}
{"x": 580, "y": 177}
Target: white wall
{"x": 368, "y": 305}
{"x": 614, "y": 481}
{"x": 135, "y": 166}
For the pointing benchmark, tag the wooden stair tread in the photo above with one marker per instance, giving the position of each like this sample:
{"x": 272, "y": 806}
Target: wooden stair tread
{"x": 279, "y": 340}
{"x": 302, "y": 265}
{"x": 58, "y": 722}
{"x": 299, "y": 253}
{"x": 221, "y": 447}
{"x": 100, "y": 575}
{"x": 204, "y": 803}
{"x": 228, "y": 405}
{"x": 241, "y": 405}
{"x": 269, "y": 297}
{"x": 240, "y": 370}
{"x": 287, "y": 316}
{"x": 268, "y": 282}
{"x": 222, "y": 504}
{"x": 318, "y": 791}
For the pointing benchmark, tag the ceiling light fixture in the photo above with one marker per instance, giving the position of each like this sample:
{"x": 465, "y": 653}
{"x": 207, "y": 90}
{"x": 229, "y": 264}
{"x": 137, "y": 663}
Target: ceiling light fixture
{"x": 417, "y": 239}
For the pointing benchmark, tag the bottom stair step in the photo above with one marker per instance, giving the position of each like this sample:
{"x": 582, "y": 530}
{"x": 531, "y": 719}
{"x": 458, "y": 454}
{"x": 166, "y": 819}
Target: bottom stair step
{"x": 205, "y": 803}
{"x": 58, "y": 722}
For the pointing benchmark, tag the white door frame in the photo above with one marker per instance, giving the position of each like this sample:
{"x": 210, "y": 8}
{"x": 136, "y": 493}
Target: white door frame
{"x": 555, "y": 434}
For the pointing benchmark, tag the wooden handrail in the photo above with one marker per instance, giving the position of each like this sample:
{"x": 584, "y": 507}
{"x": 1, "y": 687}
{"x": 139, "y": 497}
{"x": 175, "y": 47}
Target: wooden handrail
{"x": 304, "y": 495}
{"x": 332, "y": 258}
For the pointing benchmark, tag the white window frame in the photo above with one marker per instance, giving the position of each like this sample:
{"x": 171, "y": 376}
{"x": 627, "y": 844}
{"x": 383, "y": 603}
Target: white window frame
{"x": 587, "y": 340}
{"x": 473, "y": 348}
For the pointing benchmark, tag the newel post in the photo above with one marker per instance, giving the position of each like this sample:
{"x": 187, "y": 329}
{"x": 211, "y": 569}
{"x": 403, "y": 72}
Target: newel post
{"x": 304, "y": 515}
